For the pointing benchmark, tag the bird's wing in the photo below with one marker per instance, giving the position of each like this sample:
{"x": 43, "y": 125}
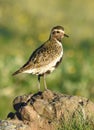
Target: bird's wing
{"x": 42, "y": 56}
{"x": 30, "y": 63}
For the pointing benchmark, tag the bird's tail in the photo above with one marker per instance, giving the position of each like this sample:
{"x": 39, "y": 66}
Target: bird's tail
{"x": 17, "y": 72}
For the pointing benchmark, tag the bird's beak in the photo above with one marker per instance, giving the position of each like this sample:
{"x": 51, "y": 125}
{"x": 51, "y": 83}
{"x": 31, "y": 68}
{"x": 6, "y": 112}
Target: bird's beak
{"x": 66, "y": 35}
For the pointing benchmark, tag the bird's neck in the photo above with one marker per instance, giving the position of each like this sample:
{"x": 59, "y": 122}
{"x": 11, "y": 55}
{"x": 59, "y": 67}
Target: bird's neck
{"x": 55, "y": 39}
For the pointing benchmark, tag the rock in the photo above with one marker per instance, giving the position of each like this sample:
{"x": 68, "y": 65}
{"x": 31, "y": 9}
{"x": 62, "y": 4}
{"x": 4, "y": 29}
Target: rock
{"x": 45, "y": 111}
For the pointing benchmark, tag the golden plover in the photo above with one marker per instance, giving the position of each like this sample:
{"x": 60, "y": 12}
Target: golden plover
{"x": 47, "y": 57}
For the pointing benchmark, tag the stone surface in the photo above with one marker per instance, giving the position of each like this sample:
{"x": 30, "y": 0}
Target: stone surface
{"x": 45, "y": 110}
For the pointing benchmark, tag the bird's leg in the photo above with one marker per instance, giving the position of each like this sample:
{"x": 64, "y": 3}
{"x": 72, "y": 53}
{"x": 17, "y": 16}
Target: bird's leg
{"x": 39, "y": 82}
{"x": 45, "y": 85}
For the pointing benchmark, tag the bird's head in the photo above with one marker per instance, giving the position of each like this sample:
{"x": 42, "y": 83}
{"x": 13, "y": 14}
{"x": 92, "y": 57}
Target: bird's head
{"x": 58, "y": 33}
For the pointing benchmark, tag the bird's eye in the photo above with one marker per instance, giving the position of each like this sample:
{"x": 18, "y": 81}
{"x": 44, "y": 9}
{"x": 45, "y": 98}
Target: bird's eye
{"x": 57, "y": 31}
{"x": 53, "y": 32}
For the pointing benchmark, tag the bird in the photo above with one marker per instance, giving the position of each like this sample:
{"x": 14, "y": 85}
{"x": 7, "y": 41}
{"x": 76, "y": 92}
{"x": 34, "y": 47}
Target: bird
{"x": 46, "y": 57}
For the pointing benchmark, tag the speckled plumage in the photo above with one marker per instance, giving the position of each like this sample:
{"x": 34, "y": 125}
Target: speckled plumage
{"x": 45, "y": 58}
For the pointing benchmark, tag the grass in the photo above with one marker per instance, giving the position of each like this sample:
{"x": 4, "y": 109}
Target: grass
{"x": 77, "y": 122}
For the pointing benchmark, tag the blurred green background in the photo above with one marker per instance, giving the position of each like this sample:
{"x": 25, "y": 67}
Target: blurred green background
{"x": 25, "y": 25}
